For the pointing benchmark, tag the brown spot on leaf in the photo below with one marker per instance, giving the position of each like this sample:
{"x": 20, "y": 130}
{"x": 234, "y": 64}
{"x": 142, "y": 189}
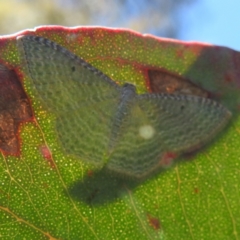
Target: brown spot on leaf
{"x": 46, "y": 153}
{"x": 14, "y": 109}
{"x": 154, "y": 222}
{"x": 180, "y": 53}
{"x": 228, "y": 78}
{"x": 167, "y": 159}
{"x": 164, "y": 82}
{"x": 45, "y": 185}
{"x": 90, "y": 173}
{"x": 196, "y": 190}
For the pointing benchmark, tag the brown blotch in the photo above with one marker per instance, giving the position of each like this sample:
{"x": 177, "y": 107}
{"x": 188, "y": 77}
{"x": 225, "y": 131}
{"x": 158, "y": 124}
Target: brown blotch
{"x": 228, "y": 78}
{"x": 196, "y": 190}
{"x": 46, "y": 153}
{"x": 167, "y": 159}
{"x": 161, "y": 81}
{"x": 14, "y": 109}
{"x": 154, "y": 222}
{"x": 90, "y": 173}
{"x": 180, "y": 53}
{"x": 45, "y": 185}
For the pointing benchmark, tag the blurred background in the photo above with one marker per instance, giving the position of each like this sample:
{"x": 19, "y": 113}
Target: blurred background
{"x": 213, "y": 21}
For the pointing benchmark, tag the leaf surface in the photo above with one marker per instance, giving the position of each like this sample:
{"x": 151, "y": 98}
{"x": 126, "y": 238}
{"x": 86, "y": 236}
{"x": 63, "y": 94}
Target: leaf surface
{"x": 45, "y": 194}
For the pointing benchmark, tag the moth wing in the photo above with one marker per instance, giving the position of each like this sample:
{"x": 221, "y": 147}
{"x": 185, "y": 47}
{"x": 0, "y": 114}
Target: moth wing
{"x": 159, "y": 125}
{"x": 83, "y": 98}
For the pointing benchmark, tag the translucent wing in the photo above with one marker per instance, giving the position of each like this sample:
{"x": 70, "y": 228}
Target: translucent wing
{"x": 101, "y": 122}
{"x": 160, "y": 124}
{"x": 83, "y": 98}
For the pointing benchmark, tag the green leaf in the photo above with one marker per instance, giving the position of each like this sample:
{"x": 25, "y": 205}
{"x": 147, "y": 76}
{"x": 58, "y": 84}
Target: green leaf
{"x": 45, "y": 194}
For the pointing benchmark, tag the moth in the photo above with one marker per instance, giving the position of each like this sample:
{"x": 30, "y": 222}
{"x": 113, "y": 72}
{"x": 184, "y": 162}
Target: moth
{"x": 110, "y": 125}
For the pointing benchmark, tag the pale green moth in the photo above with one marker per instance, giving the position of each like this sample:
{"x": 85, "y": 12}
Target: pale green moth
{"x": 110, "y": 125}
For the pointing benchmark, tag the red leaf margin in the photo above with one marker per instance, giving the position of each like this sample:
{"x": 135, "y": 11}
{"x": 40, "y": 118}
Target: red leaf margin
{"x": 214, "y": 68}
